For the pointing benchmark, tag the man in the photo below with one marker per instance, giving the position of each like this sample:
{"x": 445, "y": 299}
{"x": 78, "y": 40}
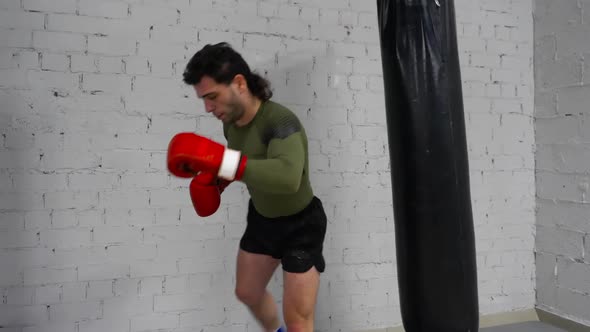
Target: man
{"x": 267, "y": 150}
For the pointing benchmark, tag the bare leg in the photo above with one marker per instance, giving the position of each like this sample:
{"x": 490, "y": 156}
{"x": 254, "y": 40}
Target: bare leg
{"x": 300, "y": 296}
{"x": 252, "y": 276}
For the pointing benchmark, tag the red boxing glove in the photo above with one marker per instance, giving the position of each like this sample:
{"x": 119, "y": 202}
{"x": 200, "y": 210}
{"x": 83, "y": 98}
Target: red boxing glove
{"x": 205, "y": 194}
{"x": 189, "y": 154}
{"x": 222, "y": 184}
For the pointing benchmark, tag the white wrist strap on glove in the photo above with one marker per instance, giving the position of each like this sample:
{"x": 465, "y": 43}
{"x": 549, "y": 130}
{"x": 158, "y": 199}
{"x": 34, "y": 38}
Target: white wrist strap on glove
{"x": 229, "y": 164}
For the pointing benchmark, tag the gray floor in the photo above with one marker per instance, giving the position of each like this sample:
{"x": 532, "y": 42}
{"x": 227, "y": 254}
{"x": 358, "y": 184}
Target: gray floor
{"x": 524, "y": 327}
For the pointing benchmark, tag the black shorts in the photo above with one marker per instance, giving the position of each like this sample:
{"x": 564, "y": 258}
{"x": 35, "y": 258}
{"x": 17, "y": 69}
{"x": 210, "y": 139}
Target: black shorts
{"x": 296, "y": 240}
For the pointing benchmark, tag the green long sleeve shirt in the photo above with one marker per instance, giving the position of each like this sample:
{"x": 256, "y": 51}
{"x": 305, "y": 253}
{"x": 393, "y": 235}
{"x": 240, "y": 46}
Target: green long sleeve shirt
{"x": 277, "y": 172}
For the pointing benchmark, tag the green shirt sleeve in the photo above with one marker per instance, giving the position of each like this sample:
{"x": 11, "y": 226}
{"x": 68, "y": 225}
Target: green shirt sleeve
{"x": 282, "y": 170}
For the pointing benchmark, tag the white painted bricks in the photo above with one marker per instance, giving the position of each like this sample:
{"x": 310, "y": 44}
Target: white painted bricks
{"x": 96, "y": 236}
{"x": 562, "y": 245}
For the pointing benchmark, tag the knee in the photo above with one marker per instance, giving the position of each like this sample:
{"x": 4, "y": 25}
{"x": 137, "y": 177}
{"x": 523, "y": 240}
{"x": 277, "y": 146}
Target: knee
{"x": 248, "y": 296}
{"x": 299, "y": 321}
{"x": 297, "y": 326}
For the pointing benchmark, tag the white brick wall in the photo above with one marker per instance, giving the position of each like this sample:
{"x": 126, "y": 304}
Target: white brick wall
{"x": 562, "y": 137}
{"x": 498, "y": 88}
{"x": 96, "y": 236}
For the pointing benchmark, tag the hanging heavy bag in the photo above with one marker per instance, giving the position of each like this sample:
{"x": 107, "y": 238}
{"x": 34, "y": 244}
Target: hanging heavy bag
{"x": 435, "y": 242}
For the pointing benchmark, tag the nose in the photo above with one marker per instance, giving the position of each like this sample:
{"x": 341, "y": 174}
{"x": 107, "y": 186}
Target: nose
{"x": 209, "y": 107}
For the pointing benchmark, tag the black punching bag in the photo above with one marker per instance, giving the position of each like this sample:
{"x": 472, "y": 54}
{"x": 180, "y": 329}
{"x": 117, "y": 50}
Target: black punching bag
{"x": 435, "y": 241}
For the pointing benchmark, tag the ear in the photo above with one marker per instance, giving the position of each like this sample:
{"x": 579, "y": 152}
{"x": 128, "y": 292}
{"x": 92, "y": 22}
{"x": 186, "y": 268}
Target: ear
{"x": 240, "y": 82}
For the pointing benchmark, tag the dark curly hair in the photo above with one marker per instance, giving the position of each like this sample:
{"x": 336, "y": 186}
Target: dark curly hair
{"x": 222, "y": 63}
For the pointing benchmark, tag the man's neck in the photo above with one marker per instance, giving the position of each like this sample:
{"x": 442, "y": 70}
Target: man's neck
{"x": 249, "y": 112}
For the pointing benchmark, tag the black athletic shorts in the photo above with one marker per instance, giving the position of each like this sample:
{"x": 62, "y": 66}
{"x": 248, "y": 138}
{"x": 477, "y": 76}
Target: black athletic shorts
{"x": 296, "y": 240}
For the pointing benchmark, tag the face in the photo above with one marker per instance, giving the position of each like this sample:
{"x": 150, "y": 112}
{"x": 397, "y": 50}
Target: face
{"x": 221, "y": 99}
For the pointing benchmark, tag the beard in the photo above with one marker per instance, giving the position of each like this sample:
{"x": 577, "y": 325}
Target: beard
{"x": 235, "y": 110}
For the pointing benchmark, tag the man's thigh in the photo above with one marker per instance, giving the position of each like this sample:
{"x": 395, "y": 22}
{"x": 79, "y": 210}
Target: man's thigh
{"x": 300, "y": 294}
{"x": 253, "y": 271}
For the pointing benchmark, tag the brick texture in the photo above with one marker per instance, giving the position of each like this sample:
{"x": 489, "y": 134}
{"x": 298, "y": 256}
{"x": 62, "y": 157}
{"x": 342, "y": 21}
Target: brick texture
{"x": 562, "y": 140}
{"x": 96, "y": 236}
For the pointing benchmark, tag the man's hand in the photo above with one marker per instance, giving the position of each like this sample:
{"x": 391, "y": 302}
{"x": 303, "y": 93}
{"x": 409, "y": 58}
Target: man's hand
{"x": 189, "y": 154}
{"x": 205, "y": 194}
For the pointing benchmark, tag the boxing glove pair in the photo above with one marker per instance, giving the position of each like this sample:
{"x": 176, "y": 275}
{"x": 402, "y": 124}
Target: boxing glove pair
{"x": 211, "y": 165}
